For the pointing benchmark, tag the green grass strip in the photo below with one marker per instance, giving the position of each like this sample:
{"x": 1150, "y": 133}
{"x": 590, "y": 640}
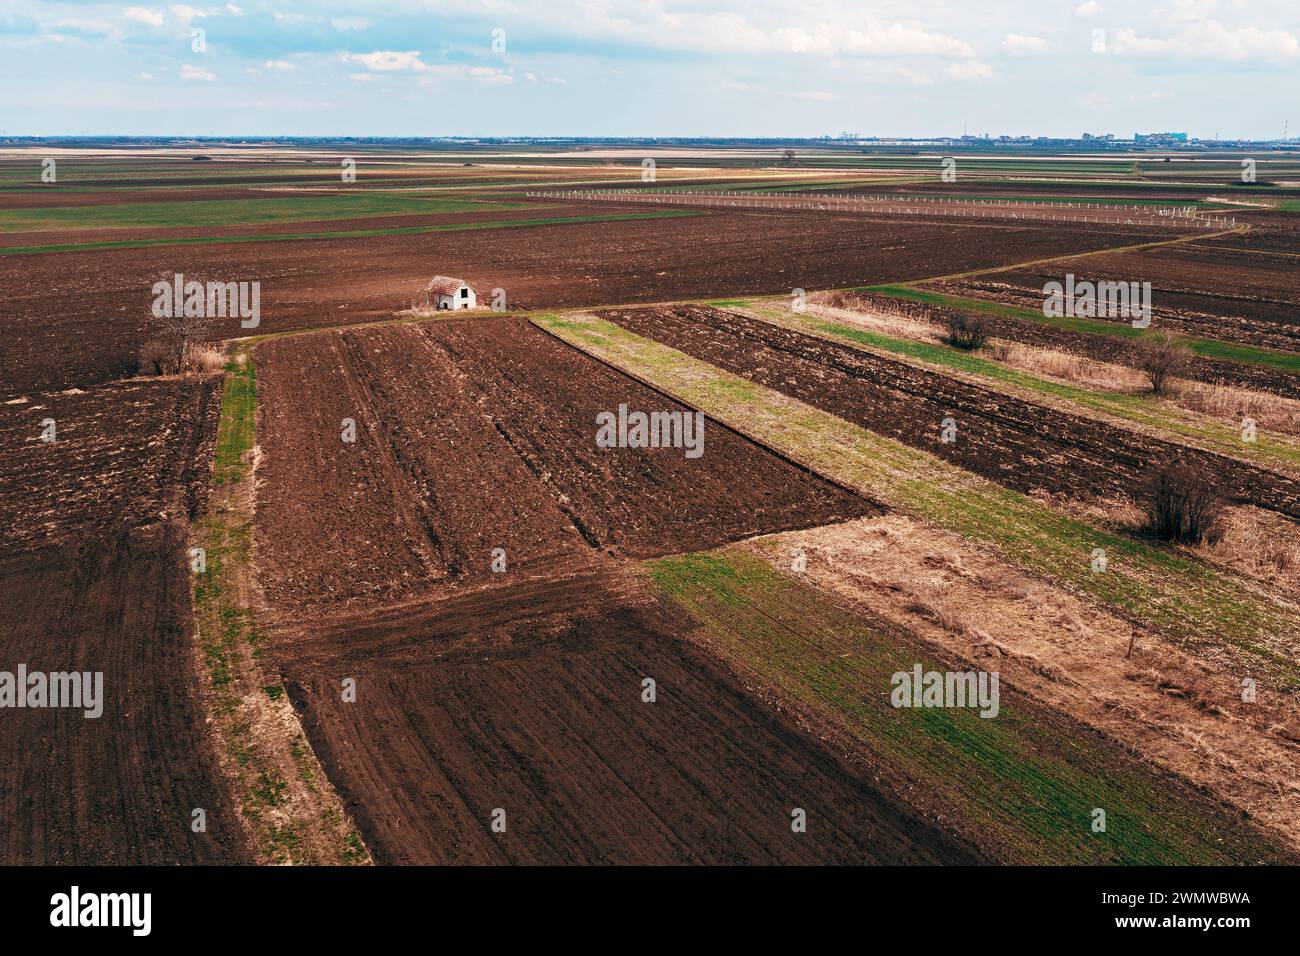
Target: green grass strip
{"x": 345, "y": 234}
{"x": 237, "y": 428}
{"x": 1029, "y": 785}
{"x": 240, "y": 212}
{"x": 1211, "y": 434}
{"x": 1208, "y": 348}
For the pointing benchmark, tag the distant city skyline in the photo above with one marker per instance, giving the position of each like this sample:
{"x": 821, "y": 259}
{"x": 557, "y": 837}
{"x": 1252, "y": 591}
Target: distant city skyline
{"x": 739, "y": 68}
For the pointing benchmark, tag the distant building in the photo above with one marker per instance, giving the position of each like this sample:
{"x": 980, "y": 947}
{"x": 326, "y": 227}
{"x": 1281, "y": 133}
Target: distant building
{"x": 446, "y": 292}
{"x": 1159, "y": 139}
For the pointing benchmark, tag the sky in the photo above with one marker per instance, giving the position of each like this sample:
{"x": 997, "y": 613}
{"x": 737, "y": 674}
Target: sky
{"x": 797, "y": 68}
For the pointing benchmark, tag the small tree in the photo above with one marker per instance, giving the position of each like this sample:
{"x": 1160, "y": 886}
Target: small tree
{"x": 170, "y": 340}
{"x": 157, "y": 358}
{"x": 1160, "y": 356}
{"x": 1182, "y": 504}
{"x": 966, "y": 331}
{"x": 788, "y": 157}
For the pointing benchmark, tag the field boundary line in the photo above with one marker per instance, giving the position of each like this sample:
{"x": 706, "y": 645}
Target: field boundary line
{"x": 1027, "y": 393}
{"x": 1157, "y": 588}
{"x": 287, "y": 805}
{"x": 676, "y": 399}
{"x": 1193, "y": 237}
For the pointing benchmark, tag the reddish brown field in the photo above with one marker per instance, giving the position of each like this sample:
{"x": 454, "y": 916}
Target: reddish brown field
{"x": 521, "y": 690}
{"x": 126, "y": 454}
{"x": 79, "y": 317}
{"x": 543, "y": 718}
{"x": 1019, "y": 444}
{"x": 479, "y": 434}
{"x": 94, "y": 577}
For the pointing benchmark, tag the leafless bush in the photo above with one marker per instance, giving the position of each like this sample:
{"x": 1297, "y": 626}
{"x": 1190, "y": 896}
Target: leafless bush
{"x": 1182, "y": 504}
{"x": 966, "y": 331}
{"x": 1160, "y": 356}
{"x": 157, "y": 357}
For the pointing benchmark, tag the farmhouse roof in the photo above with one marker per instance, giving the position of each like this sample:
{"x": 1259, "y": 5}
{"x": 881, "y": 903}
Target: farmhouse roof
{"x": 444, "y": 285}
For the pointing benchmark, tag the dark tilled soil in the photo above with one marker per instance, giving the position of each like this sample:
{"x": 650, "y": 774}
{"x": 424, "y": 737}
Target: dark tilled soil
{"x": 94, "y": 576}
{"x": 548, "y": 725}
{"x": 1200, "y": 291}
{"x": 1016, "y": 443}
{"x": 478, "y": 434}
{"x": 124, "y": 454}
{"x": 80, "y": 317}
{"x": 121, "y": 788}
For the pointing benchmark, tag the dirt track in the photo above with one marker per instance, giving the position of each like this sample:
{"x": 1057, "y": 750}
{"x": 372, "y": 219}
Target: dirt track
{"x": 1016, "y": 443}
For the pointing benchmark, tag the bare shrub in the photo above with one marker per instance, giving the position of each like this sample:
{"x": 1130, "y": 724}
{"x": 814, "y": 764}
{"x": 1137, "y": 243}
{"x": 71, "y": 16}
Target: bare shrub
{"x": 966, "y": 331}
{"x": 202, "y": 360}
{"x": 157, "y": 357}
{"x": 1182, "y": 504}
{"x": 1160, "y": 356}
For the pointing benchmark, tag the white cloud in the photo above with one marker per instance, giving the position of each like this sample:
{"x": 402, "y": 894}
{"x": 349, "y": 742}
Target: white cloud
{"x": 388, "y": 61}
{"x": 235, "y": 11}
{"x": 185, "y": 13}
{"x": 972, "y": 70}
{"x": 346, "y": 24}
{"x": 195, "y": 73}
{"x": 1023, "y": 45}
{"x": 1088, "y": 10}
{"x": 1210, "y": 39}
{"x": 408, "y": 61}
{"x": 279, "y": 65}
{"x": 893, "y": 40}
{"x": 145, "y": 76}
{"x": 1093, "y": 100}
{"x": 153, "y": 18}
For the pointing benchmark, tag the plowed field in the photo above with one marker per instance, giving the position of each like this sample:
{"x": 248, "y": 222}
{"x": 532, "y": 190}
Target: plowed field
{"x": 1017, "y": 443}
{"x": 479, "y": 434}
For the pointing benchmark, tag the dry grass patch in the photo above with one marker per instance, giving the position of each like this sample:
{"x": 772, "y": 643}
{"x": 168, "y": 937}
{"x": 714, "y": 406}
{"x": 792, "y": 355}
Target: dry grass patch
{"x": 1070, "y": 368}
{"x": 1269, "y": 412}
{"x": 1164, "y": 703}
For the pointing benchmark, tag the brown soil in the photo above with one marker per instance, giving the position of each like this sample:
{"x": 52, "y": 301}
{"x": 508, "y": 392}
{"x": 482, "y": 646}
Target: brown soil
{"x": 79, "y": 317}
{"x": 542, "y": 717}
{"x": 94, "y": 577}
{"x": 475, "y": 434}
{"x": 1196, "y": 290}
{"x": 1019, "y": 444}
